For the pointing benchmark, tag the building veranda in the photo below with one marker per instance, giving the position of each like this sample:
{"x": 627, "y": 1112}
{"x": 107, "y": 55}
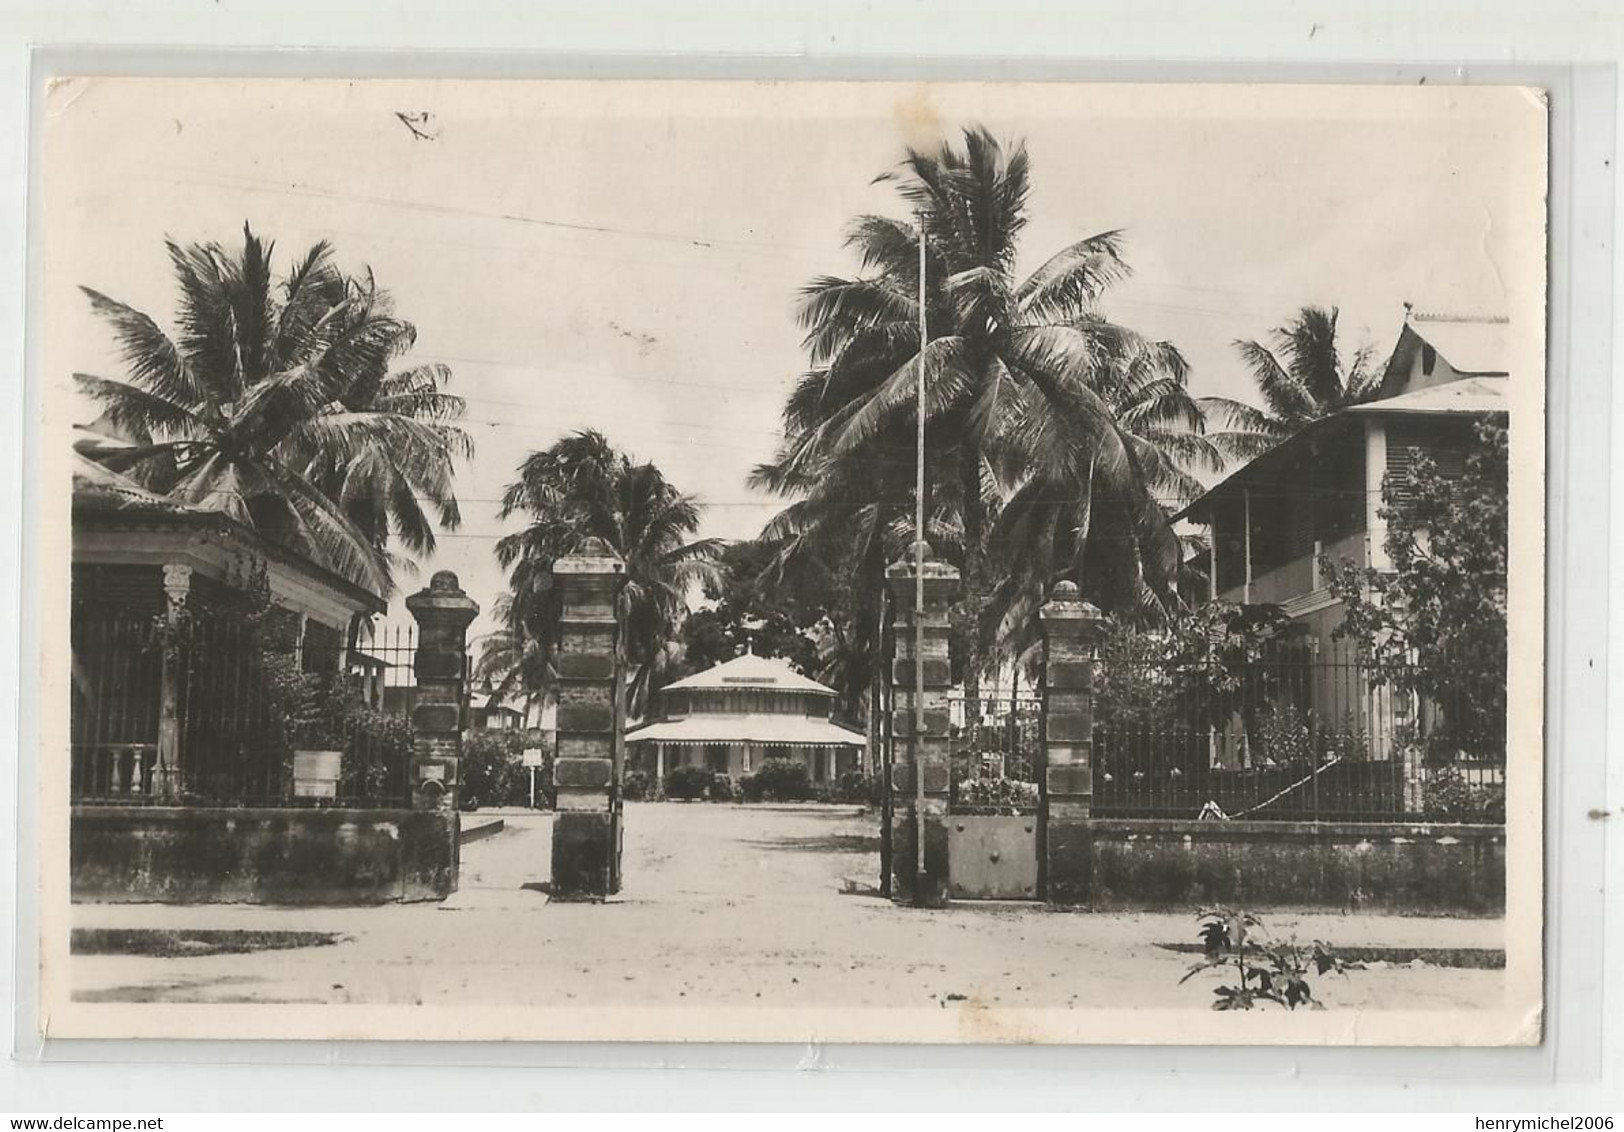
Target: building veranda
{"x": 732, "y": 717}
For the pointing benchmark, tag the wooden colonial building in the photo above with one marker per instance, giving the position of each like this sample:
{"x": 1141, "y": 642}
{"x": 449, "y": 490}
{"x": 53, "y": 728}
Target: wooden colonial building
{"x": 1318, "y": 495}
{"x": 163, "y": 706}
{"x": 731, "y": 717}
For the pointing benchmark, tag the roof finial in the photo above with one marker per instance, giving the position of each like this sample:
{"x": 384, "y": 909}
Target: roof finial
{"x": 749, "y": 644}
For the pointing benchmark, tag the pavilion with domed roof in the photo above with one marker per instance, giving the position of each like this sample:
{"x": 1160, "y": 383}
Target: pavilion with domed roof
{"x": 731, "y": 717}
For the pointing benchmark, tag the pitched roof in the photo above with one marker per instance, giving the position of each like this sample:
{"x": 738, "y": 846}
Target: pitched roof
{"x": 106, "y": 498}
{"x": 1469, "y": 343}
{"x": 1465, "y": 395}
{"x": 97, "y": 487}
{"x": 768, "y": 730}
{"x": 1472, "y": 345}
{"x": 750, "y": 671}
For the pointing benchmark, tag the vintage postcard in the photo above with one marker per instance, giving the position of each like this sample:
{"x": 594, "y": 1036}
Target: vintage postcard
{"x": 725, "y": 561}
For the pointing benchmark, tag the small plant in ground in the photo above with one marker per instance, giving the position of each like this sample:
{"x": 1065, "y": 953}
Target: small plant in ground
{"x": 688, "y": 783}
{"x": 1267, "y": 970}
{"x": 722, "y": 789}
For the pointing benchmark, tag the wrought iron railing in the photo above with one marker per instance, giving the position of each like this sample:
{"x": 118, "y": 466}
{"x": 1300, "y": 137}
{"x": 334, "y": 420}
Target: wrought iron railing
{"x": 231, "y": 711}
{"x": 1291, "y": 738}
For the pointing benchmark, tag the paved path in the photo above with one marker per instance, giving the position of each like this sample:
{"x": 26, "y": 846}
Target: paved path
{"x": 732, "y": 905}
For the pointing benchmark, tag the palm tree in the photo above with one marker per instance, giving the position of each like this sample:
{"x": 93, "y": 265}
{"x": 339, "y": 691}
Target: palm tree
{"x": 581, "y": 488}
{"x": 1027, "y": 381}
{"x": 384, "y": 488}
{"x": 1302, "y": 378}
{"x": 1058, "y": 518}
{"x": 276, "y": 405}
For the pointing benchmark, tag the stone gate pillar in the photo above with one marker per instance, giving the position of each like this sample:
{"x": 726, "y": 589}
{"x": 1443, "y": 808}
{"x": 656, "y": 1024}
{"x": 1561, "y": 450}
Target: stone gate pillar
{"x": 1072, "y": 629}
{"x": 443, "y": 614}
{"x": 586, "y": 826}
{"x": 920, "y": 743}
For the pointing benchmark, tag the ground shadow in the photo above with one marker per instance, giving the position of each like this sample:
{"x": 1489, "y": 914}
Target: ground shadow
{"x": 831, "y": 843}
{"x": 180, "y": 990}
{"x": 160, "y": 943}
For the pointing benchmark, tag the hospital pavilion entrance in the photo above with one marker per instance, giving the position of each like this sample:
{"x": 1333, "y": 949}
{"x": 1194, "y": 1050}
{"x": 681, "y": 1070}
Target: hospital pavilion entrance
{"x": 732, "y": 718}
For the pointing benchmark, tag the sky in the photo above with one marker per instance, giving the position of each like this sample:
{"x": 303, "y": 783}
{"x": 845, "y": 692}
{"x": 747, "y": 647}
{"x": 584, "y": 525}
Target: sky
{"x": 626, "y": 256}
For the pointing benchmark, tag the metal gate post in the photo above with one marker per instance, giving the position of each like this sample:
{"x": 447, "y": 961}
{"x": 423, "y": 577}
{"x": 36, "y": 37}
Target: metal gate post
{"x": 920, "y": 737}
{"x": 1072, "y": 629}
{"x": 586, "y": 826}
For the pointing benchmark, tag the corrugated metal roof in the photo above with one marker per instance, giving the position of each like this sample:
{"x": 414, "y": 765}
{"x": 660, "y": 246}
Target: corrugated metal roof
{"x": 750, "y": 671}
{"x": 767, "y": 730}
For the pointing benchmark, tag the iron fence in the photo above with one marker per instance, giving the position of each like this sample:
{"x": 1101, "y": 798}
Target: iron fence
{"x": 227, "y": 711}
{"x": 1293, "y": 737}
{"x": 380, "y": 668}
{"x": 996, "y": 751}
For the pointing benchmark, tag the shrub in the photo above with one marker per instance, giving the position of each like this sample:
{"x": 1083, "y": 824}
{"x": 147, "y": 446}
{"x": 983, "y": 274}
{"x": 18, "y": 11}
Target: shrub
{"x": 637, "y": 786}
{"x": 853, "y": 787}
{"x": 783, "y": 780}
{"x": 1291, "y": 737}
{"x": 749, "y": 788}
{"x": 722, "y": 789}
{"x": 377, "y": 753}
{"x": 491, "y": 771}
{"x": 688, "y": 783}
{"x": 1447, "y": 794}
{"x": 996, "y": 796}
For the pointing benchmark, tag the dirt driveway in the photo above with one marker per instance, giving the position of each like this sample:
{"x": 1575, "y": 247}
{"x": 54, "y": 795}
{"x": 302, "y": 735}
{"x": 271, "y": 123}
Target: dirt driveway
{"x": 788, "y": 854}
{"x": 734, "y": 906}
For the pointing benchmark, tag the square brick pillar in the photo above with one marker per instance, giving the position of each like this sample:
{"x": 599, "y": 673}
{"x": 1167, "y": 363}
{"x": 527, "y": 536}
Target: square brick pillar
{"x": 586, "y": 826}
{"x": 443, "y": 614}
{"x": 920, "y": 731}
{"x": 1072, "y": 629}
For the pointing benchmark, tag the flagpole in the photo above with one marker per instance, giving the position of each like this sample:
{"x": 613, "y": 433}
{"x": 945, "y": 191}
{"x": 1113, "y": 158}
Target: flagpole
{"x": 918, "y": 713}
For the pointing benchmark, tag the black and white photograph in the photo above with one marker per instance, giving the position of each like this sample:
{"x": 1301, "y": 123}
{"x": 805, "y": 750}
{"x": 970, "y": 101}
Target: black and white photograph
{"x": 949, "y": 562}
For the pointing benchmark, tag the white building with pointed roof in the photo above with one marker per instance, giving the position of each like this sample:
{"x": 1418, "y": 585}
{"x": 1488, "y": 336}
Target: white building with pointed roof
{"x": 731, "y": 717}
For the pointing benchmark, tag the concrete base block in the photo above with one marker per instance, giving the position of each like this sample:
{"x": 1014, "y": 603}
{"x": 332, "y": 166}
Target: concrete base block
{"x": 583, "y": 855}
{"x": 167, "y": 855}
{"x": 907, "y": 885}
{"x": 1069, "y": 862}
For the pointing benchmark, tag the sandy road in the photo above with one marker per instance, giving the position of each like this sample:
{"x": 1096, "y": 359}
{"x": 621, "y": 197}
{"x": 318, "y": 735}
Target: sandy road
{"x": 734, "y": 906}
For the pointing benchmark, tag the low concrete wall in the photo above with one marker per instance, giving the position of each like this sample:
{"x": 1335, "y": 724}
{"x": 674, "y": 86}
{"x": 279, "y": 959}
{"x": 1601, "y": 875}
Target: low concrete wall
{"x": 130, "y": 854}
{"x": 1347, "y": 866}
